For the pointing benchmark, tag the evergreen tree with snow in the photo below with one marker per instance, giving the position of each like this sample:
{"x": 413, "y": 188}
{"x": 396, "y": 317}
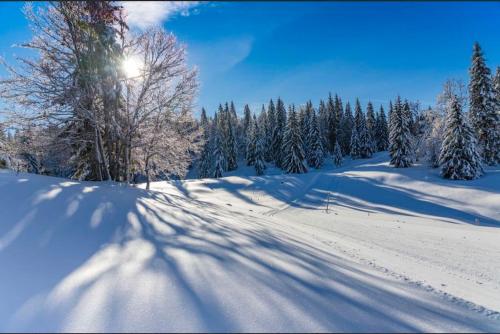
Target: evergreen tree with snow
{"x": 271, "y": 125}
{"x": 230, "y": 146}
{"x": 337, "y": 155}
{"x": 251, "y": 142}
{"x": 278, "y": 133}
{"x": 247, "y": 118}
{"x": 315, "y": 153}
{"x": 218, "y": 156}
{"x": 381, "y": 131}
{"x": 400, "y": 137}
{"x": 331, "y": 132}
{"x": 205, "y": 164}
{"x": 323, "y": 122}
{"x": 484, "y": 118}
{"x": 204, "y": 122}
{"x": 363, "y": 137}
{"x": 459, "y": 159}
{"x": 355, "y": 148}
{"x": 496, "y": 98}
{"x": 293, "y": 152}
{"x": 371, "y": 125}
{"x": 259, "y": 163}
{"x": 345, "y": 130}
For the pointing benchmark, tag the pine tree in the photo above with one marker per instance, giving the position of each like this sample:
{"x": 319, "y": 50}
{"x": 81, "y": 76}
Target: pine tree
{"x": 245, "y": 126}
{"x": 331, "y": 124}
{"x": 337, "y": 155}
{"x": 381, "y": 132}
{"x": 204, "y": 122}
{"x": 205, "y": 164}
{"x": 484, "y": 118}
{"x": 400, "y": 137}
{"x": 355, "y": 144}
{"x": 259, "y": 163}
{"x": 278, "y": 133}
{"x": 271, "y": 125}
{"x": 293, "y": 153}
{"x": 230, "y": 146}
{"x": 323, "y": 122}
{"x": 459, "y": 159}
{"x": 371, "y": 125}
{"x": 363, "y": 138}
{"x": 496, "y": 97}
{"x": 251, "y": 142}
{"x": 345, "y": 132}
{"x": 218, "y": 156}
{"x": 315, "y": 153}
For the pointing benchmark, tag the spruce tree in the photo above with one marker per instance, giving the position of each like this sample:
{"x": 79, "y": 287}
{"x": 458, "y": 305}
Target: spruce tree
{"x": 259, "y": 163}
{"x": 315, "y": 153}
{"x": 381, "y": 132}
{"x": 293, "y": 152}
{"x": 204, "y": 122}
{"x": 365, "y": 145}
{"x": 271, "y": 125}
{"x": 459, "y": 159}
{"x": 230, "y": 144}
{"x": 496, "y": 98}
{"x": 345, "y": 132}
{"x": 251, "y": 142}
{"x": 205, "y": 164}
{"x": 337, "y": 155}
{"x": 323, "y": 122}
{"x": 371, "y": 125}
{"x": 484, "y": 118}
{"x": 400, "y": 137}
{"x": 355, "y": 148}
{"x": 218, "y": 156}
{"x": 278, "y": 133}
{"x": 331, "y": 132}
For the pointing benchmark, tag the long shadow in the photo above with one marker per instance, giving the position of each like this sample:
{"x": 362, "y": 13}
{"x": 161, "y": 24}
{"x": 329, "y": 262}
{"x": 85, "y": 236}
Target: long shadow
{"x": 284, "y": 271}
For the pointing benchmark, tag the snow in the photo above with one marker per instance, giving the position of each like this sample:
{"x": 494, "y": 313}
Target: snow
{"x": 397, "y": 250}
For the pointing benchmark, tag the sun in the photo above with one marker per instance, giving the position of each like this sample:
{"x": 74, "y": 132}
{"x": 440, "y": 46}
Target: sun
{"x": 132, "y": 67}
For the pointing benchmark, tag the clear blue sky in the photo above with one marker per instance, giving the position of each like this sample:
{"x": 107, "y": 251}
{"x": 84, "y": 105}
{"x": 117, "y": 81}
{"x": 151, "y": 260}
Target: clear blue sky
{"x": 251, "y": 51}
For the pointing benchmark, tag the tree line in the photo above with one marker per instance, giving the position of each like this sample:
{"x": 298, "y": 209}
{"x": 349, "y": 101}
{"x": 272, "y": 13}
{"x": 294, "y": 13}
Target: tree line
{"x": 303, "y": 137}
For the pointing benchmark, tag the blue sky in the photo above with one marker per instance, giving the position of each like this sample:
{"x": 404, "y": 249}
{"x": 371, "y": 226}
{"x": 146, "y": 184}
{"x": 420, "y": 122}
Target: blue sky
{"x": 249, "y": 52}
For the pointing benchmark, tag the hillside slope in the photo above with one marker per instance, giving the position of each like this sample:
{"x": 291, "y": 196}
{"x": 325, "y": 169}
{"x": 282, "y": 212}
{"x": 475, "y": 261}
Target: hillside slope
{"x": 252, "y": 253}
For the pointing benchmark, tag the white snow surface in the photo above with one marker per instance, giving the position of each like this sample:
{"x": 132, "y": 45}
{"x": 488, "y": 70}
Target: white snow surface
{"x": 397, "y": 250}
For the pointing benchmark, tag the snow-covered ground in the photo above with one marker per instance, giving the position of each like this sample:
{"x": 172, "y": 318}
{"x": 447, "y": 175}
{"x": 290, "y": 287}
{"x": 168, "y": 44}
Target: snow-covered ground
{"x": 365, "y": 247}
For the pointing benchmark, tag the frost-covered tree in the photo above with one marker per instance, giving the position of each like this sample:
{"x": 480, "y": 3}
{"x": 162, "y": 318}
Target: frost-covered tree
{"x": 496, "y": 96}
{"x": 271, "y": 125}
{"x": 345, "y": 130}
{"x": 315, "y": 152}
{"x": 400, "y": 145}
{"x": 337, "y": 155}
{"x": 371, "y": 125}
{"x": 259, "y": 163}
{"x": 229, "y": 144}
{"x": 112, "y": 119}
{"x": 484, "y": 118}
{"x": 459, "y": 159}
{"x": 293, "y": 152}
{"x": 251, "y": 142}
{"x": 332, "y": 124}
{"x": 204, "y": 122}
{"x": 206, "y": 159}
{"x": 218, "y": 156}
{"x": 278, "y": 133}
{"x": 355, "y": 149}
{"x": 323, "y": 122}
{"x": 381, "y": 131}
{"x": 362, "y": 135}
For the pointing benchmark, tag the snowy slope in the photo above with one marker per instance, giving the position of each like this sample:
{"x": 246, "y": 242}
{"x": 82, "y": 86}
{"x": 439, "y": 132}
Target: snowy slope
{"x": 247, "y": 253}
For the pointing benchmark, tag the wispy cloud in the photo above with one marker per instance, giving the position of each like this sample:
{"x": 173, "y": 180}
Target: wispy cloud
{"x": 144, "y": 14}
